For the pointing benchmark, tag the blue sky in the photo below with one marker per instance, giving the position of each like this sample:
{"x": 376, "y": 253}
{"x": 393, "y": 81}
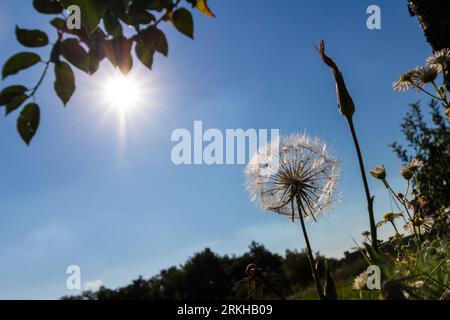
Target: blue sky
{"x": 119, "y": 208}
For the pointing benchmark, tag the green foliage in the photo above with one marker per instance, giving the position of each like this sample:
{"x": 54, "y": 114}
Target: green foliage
{"x": 430, "y": 143}
{"x": 64, "y": 81}
{"x": 182, "y": 20}
{"x": 31, "y": 38}
{"x": 28, "y": 122}
{"x": 414, "y": 266}
{"x": 19, "y": 62}
{"x": 93, "y": 12}
{"x": 11, "y": 94}
{"x": 47, "y": 6}
{"x": 101, "y": 36}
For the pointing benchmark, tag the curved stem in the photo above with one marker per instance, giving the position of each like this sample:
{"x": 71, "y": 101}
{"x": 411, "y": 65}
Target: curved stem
{"x": 403, "y": 202}
{"x": 41, "y": 79}
{"x": 407, "y": 189}
{"x": 373, "y": 228}
{"x": 309, "y": 251}
{"x": 443, "y": 94}
{"x": 426, "y": 92}
{"x": 47, "y": 65}
{"x": 395, "y": 227}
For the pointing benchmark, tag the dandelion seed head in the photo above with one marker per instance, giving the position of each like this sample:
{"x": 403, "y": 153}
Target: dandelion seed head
{"x": 298, "y": 168}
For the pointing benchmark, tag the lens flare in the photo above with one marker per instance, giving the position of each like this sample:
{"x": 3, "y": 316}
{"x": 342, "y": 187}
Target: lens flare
{"x": 122, "y": 92}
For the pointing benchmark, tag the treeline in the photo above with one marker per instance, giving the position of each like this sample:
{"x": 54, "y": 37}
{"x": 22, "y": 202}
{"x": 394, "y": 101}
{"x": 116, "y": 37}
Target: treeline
{"x": 208, "y": 275}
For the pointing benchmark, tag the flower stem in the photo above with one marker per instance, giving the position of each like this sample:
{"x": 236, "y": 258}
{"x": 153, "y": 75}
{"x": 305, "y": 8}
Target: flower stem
{"x": 427, "y": 92}
{"x": 309, "y": 251}
{"x": 411, "y": 219}
{"x": 373, "y": 228}
{"x": 395, "y": 228}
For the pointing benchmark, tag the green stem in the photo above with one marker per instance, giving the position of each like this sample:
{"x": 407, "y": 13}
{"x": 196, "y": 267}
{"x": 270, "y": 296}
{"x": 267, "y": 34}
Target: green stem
{"x": 309, "y": 251}
{"x": 395, "y": 227}
{"x": 373, "y": 228}
{"x": 407, "y": 211}
{"x": 443, "y": 94}
{"x": 407, "y": 188}
{"x": 416, "y": 235}
{"x": 426, "y": 92}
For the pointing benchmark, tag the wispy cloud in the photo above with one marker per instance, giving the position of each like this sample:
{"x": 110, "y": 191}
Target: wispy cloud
{"x": 93, "y": 285}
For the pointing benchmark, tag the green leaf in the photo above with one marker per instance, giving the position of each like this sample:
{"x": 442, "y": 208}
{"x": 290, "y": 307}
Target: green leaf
{"x": 154, "y": 40}
{"x": 155, "y": 5}
{"x": 59, "y": 23}
{"x": 47, "y": 6}
{"x": 182, "y": 20}
{"x": 112, "y": 25}
{"x": 18, "y": 62}
{"x": 137, "y": 14}
{"x": 28, "y": 122}
{"x": 31, "y": 38}
{"x": 94, "y": 62}
{"x": 9, "y": 94}
{"x": 144, "y": 55}
{"x": 118, "y": 51}
{"x": 15, "y": 104}
{"x": 91, "y": 12}
{"x": 118, "y": 7}
{"x": 167, "y": 4}
{"x": 330, "y": 291}
{"x": 73, "y": 52}
{"x": 56, "y": 52}
{"x": 64, "y": 81}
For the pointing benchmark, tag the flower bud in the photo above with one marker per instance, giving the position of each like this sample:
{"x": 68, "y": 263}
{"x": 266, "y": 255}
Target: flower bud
{"x": 366, "y": 234}
{"x": 379, "y": 172}
{"x": 345, "y": 101}
{"x": 406, "y": 173}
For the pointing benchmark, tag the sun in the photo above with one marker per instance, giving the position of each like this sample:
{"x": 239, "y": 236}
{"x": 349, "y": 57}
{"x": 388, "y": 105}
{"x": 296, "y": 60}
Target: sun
{"x": 125, "y": 104}
{"x": 122, "y": 92}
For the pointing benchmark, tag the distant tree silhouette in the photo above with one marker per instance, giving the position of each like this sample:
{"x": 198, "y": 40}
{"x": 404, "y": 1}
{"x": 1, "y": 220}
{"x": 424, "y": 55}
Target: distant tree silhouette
{"x": 207, "y": 275}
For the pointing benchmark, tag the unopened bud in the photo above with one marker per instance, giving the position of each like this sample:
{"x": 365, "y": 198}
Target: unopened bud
{"x": 406, "y": 173}
{"x": 379, "y": 172}
{"x": 345, "y": 101}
